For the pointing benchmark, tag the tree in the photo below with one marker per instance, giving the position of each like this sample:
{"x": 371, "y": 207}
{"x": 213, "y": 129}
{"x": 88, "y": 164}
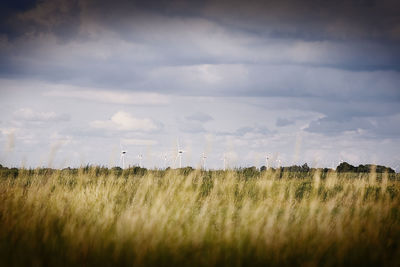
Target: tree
{"x": 346, "y": 167}
{"x": 305, "y": 168}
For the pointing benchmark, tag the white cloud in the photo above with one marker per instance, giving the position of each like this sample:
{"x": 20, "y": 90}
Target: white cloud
{"x": 110, "y": 96}
{"x": 124, "y": 121}
{"x": 27, "y": 114}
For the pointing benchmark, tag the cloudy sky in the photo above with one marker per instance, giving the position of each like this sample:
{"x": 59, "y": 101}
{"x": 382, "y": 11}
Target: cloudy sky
{"x": 301, "y": 81}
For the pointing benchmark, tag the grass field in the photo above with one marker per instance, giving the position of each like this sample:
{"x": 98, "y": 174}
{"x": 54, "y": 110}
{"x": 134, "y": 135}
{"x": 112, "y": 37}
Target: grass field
{"x": 98, "y": 217}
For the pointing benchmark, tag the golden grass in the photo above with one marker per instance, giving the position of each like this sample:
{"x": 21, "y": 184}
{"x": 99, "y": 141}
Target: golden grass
{"x": 198, "y": 219}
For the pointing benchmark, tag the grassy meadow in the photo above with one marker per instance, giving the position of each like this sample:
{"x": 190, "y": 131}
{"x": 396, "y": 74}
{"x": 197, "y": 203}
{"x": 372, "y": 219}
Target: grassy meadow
{"x": 100, "y": 217}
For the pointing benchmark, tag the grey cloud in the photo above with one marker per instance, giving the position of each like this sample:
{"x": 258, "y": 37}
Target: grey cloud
{"x": 131, "y": 66}
{"x": 285, "y": 18}
{"x": 199, "y": 116}
{"x": 8, "y": 12}
{"x": 144, "y": 47}
{"x": 110, "y": 96}
{"x": 367, "y": 127}
{"x": 342, "y": 110}
{"x": 194, "y": 122}
{"x": 33, "y": 18}
{"x": 334, "y": 108}
{"x": 179, "y": 34}
{"x": 386, "y": 127}
{"x": 282, "y": 122}
{"x": 243, "y": 130}
{"x": 330, "y": 126}
{"x": 191, "y": 127}
{"x": 257, "y": 129}
{"x": 315, "y": 19}
{"x": 87, "y": 132}
{"x": 27, "y": 114}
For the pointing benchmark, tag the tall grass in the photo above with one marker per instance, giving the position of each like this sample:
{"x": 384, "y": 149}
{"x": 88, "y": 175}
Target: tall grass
{"x": 198, "y": 219}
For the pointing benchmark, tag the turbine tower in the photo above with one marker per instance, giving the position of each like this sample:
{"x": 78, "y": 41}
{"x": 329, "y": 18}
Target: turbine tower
{"x": 122, "y": 157}
{"x": 203, "y": 159}
{"x": 279, "y": 162}
{"x": 224, "y": 160}
{"x": 179, "y": 155}
{"x": 165, "y": 161}
{"x": 267, "y": 162}
{"x": 140, "y": 157}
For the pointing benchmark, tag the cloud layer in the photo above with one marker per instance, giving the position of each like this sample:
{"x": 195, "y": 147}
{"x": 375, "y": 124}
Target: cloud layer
{"x": 244, "y": 77}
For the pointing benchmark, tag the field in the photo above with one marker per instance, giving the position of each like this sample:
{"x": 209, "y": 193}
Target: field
{"x": 100, "y": 217}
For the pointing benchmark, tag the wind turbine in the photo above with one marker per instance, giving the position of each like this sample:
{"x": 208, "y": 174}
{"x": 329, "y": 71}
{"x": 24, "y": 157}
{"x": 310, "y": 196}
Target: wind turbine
{"x": 122, "y": 158}
{"x": 279, "y": 162}
{"x": 140, "y": 157}
{"x": 267, "y": 162}
{"x": 224, "y": 159}
{"x": 180, "y": 153}
{"x": 165, "y": 161}
{"x": 203, "y": 158}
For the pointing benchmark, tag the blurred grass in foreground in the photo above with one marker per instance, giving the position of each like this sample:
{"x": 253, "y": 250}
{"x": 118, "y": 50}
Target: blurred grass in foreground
{"x": 198, "y": 218}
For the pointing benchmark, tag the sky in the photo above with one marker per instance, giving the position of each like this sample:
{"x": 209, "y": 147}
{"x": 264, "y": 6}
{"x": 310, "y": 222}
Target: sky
{"x": 312, "y": 81}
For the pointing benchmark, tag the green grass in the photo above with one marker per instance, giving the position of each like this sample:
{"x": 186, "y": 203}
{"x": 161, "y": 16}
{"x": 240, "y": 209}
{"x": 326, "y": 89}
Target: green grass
{"x": 194, "y": 218}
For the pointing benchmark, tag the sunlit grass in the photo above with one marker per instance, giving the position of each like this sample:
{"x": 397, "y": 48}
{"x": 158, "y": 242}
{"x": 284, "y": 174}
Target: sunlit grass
{"x": 199, "y": 218}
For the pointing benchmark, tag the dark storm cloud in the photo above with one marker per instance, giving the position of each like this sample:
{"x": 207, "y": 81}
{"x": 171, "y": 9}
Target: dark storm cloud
{"x": 307, "y": 20}
{"x": 319, "y": 20}
{"x": 28, "y": 17}
{"x": 8, "y": 12}
{"x": 351, "y": 35}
